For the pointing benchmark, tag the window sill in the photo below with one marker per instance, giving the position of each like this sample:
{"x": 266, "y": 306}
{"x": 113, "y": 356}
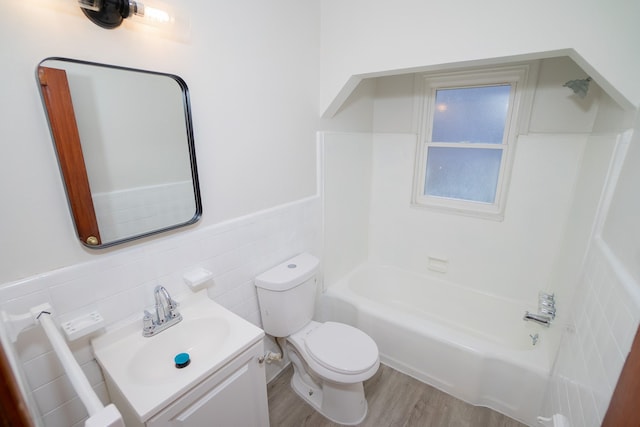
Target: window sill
{"x": 470, "y": 209}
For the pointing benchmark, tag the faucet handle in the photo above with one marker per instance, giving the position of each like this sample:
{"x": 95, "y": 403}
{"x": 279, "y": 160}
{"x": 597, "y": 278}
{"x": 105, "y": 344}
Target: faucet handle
{"x": 546, "y": 296}
{"x": 546, "y": 303}
{"x": 147, "y": 321}
{"x": 549, "y": 311}
{"x": 172, "y": 306}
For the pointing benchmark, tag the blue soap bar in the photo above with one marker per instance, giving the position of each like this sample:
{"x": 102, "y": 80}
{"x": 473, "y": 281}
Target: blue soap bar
{"x": 182, "y": 360}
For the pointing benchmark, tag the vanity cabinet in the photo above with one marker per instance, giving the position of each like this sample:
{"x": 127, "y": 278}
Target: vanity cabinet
{"x": 235, "y": 395}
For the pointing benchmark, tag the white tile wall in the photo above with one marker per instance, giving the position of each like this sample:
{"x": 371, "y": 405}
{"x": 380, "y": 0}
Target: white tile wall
{"x": 120, "y": 284}
{"x": 603, "y": 323}
{"x": 124, "y": 213}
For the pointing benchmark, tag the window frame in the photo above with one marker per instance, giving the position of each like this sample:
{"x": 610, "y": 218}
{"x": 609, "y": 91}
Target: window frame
{"x": 516, "y": 123}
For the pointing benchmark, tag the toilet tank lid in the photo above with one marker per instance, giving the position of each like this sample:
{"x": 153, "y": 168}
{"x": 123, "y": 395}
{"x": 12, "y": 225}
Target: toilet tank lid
{"x": 289, "y": 274}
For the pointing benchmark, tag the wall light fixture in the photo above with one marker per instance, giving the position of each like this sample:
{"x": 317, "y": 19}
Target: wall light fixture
{"x": 110, "y": 13}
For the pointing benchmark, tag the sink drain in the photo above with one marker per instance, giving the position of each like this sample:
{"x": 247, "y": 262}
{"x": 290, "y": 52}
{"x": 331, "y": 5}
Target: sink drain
{"x": 182, "y": 360}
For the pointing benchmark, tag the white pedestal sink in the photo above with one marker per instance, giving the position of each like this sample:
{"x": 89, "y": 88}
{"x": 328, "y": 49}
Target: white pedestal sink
{"x": 141, "y": 374}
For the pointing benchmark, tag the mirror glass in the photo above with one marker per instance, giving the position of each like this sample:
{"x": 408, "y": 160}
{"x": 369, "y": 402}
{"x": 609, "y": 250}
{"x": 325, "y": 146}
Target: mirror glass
{"x": 135, "y": 144}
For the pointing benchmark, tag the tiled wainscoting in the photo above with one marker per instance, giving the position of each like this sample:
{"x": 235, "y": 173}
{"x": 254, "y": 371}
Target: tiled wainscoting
{"x": 126, "y": 212}
{"x": 120, "y": 284}
{"x": 603, "y": 323}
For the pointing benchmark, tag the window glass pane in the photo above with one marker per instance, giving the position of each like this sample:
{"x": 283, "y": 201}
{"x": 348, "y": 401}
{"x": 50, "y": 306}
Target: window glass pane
{"x": 463, "y": 173}
{"x": 472, "y": 114}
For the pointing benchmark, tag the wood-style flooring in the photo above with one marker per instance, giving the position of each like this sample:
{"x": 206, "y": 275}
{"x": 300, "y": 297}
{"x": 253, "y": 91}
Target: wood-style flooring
{"x": 394, "y": 399}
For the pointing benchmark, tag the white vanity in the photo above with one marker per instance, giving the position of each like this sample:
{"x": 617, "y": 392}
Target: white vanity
{"x": 223, "y": 384}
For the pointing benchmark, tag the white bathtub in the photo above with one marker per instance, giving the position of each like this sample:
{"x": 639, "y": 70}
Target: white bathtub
{"x": 473, "y": 346}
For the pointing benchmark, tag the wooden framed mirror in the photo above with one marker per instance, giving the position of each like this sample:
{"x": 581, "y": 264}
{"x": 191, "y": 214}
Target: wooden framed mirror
{"x": 125, "y": 147}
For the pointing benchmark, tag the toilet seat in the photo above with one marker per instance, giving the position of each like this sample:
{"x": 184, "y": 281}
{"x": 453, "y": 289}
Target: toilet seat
{"x": 337, "y": 352}
{"x": 342, "y": 348}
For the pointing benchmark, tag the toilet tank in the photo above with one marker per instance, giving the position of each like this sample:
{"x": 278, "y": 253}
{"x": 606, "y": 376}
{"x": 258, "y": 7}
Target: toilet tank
{"x": 286, "y": 294}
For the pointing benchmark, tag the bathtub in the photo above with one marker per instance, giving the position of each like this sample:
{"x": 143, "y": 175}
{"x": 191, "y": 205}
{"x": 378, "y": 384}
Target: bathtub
{"x": 471, "y": 345}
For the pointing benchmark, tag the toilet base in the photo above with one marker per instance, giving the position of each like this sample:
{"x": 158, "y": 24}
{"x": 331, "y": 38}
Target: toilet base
{"x": 340, "y": 403}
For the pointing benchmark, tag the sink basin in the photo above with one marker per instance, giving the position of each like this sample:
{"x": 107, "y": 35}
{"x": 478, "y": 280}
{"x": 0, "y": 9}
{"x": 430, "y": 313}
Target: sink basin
{"x": 143, "y": 368}
{"x": 153, "y": 362}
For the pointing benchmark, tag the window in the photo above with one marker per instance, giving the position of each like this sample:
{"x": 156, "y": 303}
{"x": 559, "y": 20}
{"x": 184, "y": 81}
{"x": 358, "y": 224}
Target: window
{"x": 466, "y": 138}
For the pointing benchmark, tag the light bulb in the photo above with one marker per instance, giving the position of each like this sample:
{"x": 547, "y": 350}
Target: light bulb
{"x": 156, "y": 15}
{"x": 151, "y": 15}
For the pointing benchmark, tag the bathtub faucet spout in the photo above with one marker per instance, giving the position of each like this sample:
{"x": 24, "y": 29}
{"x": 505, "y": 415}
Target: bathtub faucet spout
{"x": 540, "y": 319}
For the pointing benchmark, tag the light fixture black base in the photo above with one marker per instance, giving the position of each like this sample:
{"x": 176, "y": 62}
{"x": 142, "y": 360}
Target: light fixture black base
{"x": 110, "y": 15}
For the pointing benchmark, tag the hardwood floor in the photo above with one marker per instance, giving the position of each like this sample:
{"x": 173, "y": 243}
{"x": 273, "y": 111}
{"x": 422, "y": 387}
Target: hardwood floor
{"x": 394, "y": 400}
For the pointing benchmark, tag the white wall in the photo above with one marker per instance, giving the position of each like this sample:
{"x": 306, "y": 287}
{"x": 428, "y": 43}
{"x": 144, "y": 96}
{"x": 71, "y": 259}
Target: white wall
{"x": 600, "y": 292}
{"x": 512, "y": 258}
{"x": 604, "y": 319}
{"x": 622, "y": 231}
{"x": 609, "y": 122}
{"x": 576, "y": 234}
{"x": 252, "y": 69}
{"x": 370, "y": 38}
{"x": 605, "y": 298}
{"x": 346, "y": 201}
{"x": 356, "y": 114}
{"x": 345, "y": 148}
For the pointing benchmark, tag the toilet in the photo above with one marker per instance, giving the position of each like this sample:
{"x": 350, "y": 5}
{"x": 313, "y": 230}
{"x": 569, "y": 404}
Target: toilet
{"x": 330, "y": 360}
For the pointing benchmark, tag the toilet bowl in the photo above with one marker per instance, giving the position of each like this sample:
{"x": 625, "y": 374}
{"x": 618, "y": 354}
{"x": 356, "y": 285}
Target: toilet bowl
{"x": 331, "y": 360}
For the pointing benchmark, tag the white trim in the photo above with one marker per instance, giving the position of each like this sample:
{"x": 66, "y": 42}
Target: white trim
{"x": 521, "y": 98}
{"x": 616, "y": 163}
{"x": 623, "y": 141}
{"x": 320, "y": 175}
{"x": 606, "y": 194}
{"x": 622, "y": 274}
{"x": 528, "y": 90}
{"x": 268, "y": 211}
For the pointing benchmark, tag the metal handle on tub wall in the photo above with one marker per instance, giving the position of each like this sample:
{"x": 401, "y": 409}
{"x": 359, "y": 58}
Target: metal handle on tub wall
{"x": 547, "y": 304}
{"x": 540, "y": 319}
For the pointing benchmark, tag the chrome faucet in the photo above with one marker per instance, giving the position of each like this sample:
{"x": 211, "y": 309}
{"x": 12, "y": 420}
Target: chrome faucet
{"x": 166, "y": 314}
{"x": 540, "y": 319}
{"x": 546, "y": 310}
{"x": 547, "y": 304}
